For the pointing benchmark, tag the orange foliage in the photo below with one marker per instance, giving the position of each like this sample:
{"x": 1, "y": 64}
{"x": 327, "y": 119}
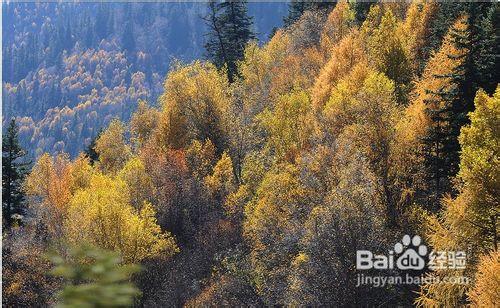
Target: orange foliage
{"x": 345, "y": 56}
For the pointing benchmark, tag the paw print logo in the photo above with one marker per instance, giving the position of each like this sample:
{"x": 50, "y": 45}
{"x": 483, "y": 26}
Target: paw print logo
{"x": 412, "y": 251}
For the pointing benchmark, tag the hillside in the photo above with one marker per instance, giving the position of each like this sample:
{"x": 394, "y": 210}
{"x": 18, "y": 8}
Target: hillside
{"x": 351, "y": 160}
{"x": 68, "y": 69}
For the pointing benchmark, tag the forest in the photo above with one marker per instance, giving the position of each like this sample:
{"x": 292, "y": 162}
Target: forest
{"x": 262, "y": 167}
{"x": 70, "y": 68}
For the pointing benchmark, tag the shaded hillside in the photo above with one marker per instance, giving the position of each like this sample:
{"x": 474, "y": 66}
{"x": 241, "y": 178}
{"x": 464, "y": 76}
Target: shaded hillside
{"x": 68, "y": 69}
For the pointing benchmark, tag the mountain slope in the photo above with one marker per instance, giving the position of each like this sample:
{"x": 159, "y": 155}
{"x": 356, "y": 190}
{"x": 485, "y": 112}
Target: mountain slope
{"x": 68, "y": 69}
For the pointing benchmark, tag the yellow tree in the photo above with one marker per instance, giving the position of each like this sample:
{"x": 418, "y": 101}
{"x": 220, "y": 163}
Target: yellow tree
{"x": 277, "y": 67}
{"x": 194, "y": 101}
{"x": 339, "y": 23}
{"x": 480, "y": 167}
{"x": 270, "y": 72}
{"x": 486, "y": 291}
{"x": 350, "y": 216}
{"x": 345, "y": 55}
{"x": 49, "y": 187}
{"x": 81, "y": 172}
{"x": 272, "y": 227}
{"x": 221, "y": 182}
{"x": 259, "y": 70}
{"x": 139, "y": 183}
{"x": 363, "y": 104}
{"x": 415, "y": 30}
{"x": 289, "y": 125}
{"x": 201, "y": 158}
{"x": 253, "y": 171}
{"x": 103, "y": 215}
{"x": 388, "y": 54}
{"x": 112, "y": 148}
{"x": 143, "y": 123}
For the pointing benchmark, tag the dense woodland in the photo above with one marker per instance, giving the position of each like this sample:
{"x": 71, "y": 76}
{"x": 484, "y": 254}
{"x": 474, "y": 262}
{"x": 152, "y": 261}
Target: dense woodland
{"x": 69, "y": 69}
{"x": 264, "y": 168}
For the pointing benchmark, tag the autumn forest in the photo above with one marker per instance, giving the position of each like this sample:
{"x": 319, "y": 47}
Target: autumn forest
{"x": 265, "y": 163}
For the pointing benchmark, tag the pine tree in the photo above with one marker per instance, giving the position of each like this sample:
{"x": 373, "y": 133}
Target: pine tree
{"x": 484, "y": 44}
{"x": 89, "y": 35}
{"x": 68, "y": 37}
{"x": 128, "y": 40}
{"x": 230, "y": 31}
{"x": 14, "y": 169}
{"x": 297, "y": 7}
{"x": 361, "y": 10}
{"x": 445, "y": 110}
{"x": 476, "y": 60}
{"x": 442, "y": 147}
{"x": 90, "y": 151}
{"x": 446, "y": 15}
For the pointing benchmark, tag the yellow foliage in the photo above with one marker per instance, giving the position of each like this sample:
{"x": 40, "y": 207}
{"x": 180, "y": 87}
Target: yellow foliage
{"x": 143, "y": 123}
{"x": 407, "y": 154}
{"x": 339, "y": 23}
{"x": 388, "y": 54}
{"x": 300, "y": 259}
{"x": 372, "y": 20}
{"x": 139, "y": 183}
{"x": 407, "y": 150}
{"x": 363, "y": 96}
{"x": 222, "y": 181}
{"x": 201, "y": 157}
{"x": 234, "y": 204}
{"x": 469, "y": 220}
{"x": 415, "y": 30}
{"x": 276, "y": 68}
{"x": 345, "y": 56}
{"x": 486, "y": 291}
{"x": 102, "y": 215}
{"x": 50, "y": 184}
{"x": 290, "y": 124}
{"x": 479, "y": 160}
{"x": 195, "y": 100}
{"x": 442, "y": 64}
{"x": 273, "y": 221}
{"x": 261, "y": 66}
{"x": 112, "y": 148}
{"x": 81, "y": 173}
{"x": 38, "y": 182}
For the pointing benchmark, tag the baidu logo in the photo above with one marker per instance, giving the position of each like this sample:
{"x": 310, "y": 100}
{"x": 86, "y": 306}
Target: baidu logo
{"x": 408, "y": 254}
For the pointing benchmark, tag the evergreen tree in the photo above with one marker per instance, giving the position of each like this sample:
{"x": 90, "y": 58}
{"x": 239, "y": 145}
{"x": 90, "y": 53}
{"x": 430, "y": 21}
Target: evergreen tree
{"x": 89, "y": 35}
{"x": 90, "y": 151}
{"x": 466, "y": 75}
{"x": 361, "y": 10}
{"x": 489, "y": 42}
{"x": 101, "y": 22}
{"x": 128, "y": 40}
{"x": 442, "y": 147}
{"x": 230, "y": 31}
{"x": 68, "y": 37}
{"x": 446, "y": 15}
{"x": 99, "y": 283}
{"x": 297, "y": 7}
{"x": 476, "y": 62}
{"x": 445, "y": 112}
{"x": 13, "y": 172}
